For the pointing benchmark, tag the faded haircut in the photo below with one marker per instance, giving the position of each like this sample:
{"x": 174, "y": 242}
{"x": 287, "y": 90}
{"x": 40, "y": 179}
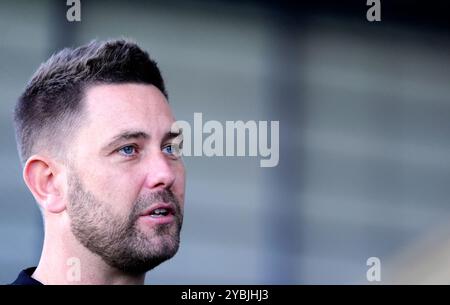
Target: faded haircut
{"x": 50, "y": 109}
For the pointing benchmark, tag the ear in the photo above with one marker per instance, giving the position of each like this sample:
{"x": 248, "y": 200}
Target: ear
{"x": 44, "y": 179}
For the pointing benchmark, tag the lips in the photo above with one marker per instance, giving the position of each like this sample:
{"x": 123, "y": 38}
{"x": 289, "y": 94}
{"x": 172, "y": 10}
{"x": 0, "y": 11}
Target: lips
{"x": 158, "y": 210}
{"x": 159, "y": 213}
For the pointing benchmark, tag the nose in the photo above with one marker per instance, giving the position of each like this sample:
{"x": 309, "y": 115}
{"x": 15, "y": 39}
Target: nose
{"x": 160, "y": 172}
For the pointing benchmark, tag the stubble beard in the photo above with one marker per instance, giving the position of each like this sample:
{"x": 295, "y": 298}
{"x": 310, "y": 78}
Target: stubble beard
{"x": 117, "y": 240}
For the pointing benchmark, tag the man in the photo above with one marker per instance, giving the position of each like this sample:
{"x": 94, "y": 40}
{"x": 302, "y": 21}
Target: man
{"x": 101, "y": 157}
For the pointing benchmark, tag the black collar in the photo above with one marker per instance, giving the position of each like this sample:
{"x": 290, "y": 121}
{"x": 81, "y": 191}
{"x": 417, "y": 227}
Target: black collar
{"x": 25, "y": 278}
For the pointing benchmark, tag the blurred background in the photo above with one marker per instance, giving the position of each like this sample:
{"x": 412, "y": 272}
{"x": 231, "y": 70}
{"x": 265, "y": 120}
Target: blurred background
{"x": 364, "y": 115}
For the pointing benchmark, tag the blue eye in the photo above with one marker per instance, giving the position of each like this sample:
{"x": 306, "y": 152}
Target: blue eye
{"x": 128, "y": 151}
{"x": 168, "y": 149}
{"x": 171, "y": 150}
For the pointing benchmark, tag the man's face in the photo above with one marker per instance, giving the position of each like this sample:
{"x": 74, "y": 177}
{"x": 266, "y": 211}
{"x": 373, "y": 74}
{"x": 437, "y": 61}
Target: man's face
{"x": 126, "y": 181}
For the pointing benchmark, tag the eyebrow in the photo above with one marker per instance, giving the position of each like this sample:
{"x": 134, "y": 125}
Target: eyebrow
{"x": 124, "y": 135}
{"x": 172, "y": 134}
{"x": 135, "y": 134}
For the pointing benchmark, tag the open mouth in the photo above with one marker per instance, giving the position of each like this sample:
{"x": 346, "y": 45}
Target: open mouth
{"x": 159, "y": 213}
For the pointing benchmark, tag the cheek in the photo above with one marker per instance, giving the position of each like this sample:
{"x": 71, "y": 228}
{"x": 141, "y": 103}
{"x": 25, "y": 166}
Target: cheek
{"x": 180, "y": 184}
{"x": 118, "y": 190}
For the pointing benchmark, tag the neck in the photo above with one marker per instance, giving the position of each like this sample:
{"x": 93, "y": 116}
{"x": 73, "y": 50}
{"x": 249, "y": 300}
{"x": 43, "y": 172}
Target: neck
{"x": 65, "y": 261}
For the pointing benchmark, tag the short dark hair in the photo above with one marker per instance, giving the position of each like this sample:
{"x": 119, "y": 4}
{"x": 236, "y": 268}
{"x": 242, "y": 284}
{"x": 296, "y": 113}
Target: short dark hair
{"x": 50, "y": 108}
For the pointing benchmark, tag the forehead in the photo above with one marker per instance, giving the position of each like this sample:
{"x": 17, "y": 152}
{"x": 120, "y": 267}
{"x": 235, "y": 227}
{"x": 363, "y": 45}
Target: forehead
{"x": 113, "y": 107}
